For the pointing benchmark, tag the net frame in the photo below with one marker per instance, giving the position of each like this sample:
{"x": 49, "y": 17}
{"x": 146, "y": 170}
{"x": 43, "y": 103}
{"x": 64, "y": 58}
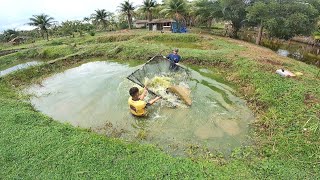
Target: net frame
{"x": 145, "y": 71}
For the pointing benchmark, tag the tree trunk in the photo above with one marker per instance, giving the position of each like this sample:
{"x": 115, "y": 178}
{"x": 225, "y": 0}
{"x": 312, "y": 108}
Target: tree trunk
{"x": 42, "y": 34}
{"x": 47, "y": 34}
{"x": 259, "y": 37}
{"x": 129, "y": 20}
{"x": 234, "y": 33}
{"x": 209, "y": 24}
{"x": 177, "y": 16}
{"x": 149, "y": 15}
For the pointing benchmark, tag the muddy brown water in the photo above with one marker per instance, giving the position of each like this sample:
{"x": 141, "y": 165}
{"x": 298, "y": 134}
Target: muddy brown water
{"x": 95, "y": 95}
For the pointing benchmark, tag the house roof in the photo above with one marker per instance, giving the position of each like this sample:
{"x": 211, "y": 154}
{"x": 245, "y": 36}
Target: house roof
{"x": 141, "y": 21}
{"x": 155, "y": 21}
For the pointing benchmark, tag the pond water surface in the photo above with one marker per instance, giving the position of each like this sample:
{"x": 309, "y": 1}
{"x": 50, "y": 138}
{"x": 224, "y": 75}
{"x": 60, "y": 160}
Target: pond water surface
{"x": 19, "y": 67}
{"x": 95, "y": 96}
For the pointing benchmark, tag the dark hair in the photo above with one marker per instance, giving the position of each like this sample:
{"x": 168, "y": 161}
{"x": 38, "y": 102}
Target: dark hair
{"x": 133, "y": 91}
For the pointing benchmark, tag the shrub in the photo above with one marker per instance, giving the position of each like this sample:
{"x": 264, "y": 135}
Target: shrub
{"x": 115, "y": 38}
{"x": 173, "y": 38}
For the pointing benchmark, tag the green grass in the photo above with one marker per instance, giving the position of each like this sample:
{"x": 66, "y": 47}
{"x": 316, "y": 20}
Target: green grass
{"x": 285, "y": 135}
{"x": 61, "y": 151}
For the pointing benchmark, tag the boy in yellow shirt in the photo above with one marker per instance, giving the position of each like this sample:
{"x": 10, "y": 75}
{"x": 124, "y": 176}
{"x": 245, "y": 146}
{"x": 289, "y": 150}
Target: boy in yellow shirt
{"x": 136, "y": 102}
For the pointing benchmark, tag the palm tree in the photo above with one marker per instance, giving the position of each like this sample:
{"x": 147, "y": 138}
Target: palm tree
{"x": 127, "y": 8}
{"x": 86, "y": 19}
{"x": 206, "y": 11}
{"x": 101, "y": 17}
{"x": 175, "y": 8}
{"x": 43, "y": 22}
{"x": 147, "y": 7}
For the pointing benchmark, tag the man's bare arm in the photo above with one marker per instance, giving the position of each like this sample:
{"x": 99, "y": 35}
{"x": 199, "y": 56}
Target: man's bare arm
{"x": 154, "y": 100}
{"x": 144, "y": 94}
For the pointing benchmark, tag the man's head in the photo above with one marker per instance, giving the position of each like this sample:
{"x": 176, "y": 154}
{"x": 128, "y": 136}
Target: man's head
{"x": 175, "y": 51}
{"x": 134, "y": 92}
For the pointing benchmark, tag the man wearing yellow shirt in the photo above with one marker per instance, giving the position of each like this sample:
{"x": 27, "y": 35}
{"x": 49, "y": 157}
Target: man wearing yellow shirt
{"x": 136, "y": 102}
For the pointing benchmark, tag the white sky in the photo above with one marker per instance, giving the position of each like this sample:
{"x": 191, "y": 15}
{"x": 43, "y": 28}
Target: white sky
{"x": 16, "y": 13}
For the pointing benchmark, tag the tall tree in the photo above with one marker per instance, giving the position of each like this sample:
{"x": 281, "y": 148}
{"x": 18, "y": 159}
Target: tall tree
{"x": 156, "y": 13}
{"x": 259, "y": 14}
{"x": 43, "y": 22}
{"x": 234, "y": 11}
{"x": 127, "y": 8}
{"x": 284, "y": 18}
{"x": 147, "y": 7}
{"x": 207, "y": 10}
{"x": 175, "y": 9}
{"x": 101, "y": 18}
{"x": 75, "y": 26}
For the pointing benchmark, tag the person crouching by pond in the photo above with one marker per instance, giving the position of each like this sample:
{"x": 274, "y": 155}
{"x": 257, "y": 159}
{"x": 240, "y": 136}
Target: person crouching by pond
{"x": 174, "y": 59}
{"x": 137, "y": 104}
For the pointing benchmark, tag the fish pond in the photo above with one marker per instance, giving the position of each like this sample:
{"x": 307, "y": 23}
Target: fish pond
{"x": 95, "y": 96}
{"x": 19, "y": 67}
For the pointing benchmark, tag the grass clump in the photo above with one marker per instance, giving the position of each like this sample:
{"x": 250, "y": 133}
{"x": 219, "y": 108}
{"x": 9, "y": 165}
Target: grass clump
{"x": 53, "y": 52}
{"x": 115, "y": 38}
{"x": 191, "y": 38}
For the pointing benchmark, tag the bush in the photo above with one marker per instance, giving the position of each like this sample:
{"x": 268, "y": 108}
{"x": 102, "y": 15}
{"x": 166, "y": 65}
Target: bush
{"x": 115, "y": 38}
{"x": 92, "y": 33}
{"x": 173, "y": 38}
{"x": 53, "y": 52}
{"x": 56, "y": 42}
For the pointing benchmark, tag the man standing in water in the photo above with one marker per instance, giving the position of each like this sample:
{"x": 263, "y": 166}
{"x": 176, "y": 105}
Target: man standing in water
{"x": 174, "y": 59}
{"x": 137, "y": 104}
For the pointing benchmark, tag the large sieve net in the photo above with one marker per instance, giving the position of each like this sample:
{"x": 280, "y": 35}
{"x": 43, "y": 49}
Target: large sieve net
{"x": 160, "y": 74}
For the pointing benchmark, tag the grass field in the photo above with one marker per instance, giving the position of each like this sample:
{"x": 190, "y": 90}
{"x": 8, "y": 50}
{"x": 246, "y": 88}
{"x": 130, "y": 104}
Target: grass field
{"x": 286, "y": 134}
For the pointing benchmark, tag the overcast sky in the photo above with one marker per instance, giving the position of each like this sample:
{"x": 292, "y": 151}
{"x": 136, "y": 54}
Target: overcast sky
{"x": 16, "y": 13}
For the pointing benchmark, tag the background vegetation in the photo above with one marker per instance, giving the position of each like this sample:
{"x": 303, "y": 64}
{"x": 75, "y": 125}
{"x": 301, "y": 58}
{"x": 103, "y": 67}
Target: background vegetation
{"x": 282, "y": 19}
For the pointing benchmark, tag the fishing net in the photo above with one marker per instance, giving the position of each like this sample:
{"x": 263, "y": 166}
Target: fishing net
{"x": 159, "y": 72}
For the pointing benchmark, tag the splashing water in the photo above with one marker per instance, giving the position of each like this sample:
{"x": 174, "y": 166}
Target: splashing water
{"x": 160, "y": 85}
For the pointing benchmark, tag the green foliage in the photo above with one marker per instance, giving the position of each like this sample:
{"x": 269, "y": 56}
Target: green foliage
{"x": 56, "y": 42}
{"x": 115, "y": 38}
{"x": 206, "y": 11}
{"x": 284, "y": 19}
{"x": 92, "y": 33}
{"x": 234, "y": 11}
{"x": 69, "y": 28}
{"x": 43, "y": 22}
{"x": 101, "y": 18}
{"x": 148, "y": 6}
{"x": 173, "y": 38}
{"x": 127, "y": 8}
{"x": 49, "y": 52}
{"x": 175, "y": 9}
{"x": 8, "y": 35}
{"x": 258, "y": 13}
